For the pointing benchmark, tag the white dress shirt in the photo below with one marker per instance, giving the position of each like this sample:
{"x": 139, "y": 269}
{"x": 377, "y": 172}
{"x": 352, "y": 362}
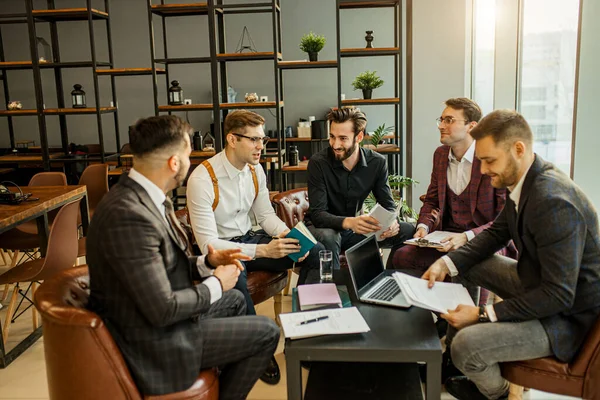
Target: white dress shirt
{"x": 236, "y": 201}
{"x": 515, "y": 195}
{"x": 459, "y": 176}
{"x": 158, "y": 198}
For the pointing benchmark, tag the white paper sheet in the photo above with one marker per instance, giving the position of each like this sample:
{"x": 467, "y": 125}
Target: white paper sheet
{"x": 441, "y": 297}
{"x": 340, "y": 321}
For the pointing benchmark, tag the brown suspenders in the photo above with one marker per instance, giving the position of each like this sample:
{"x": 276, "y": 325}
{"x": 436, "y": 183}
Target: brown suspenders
{"x": 215, "y": 182}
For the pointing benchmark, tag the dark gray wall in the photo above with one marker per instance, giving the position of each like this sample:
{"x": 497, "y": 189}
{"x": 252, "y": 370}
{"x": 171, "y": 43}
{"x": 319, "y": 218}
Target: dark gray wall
{"x": 307, "y": 92}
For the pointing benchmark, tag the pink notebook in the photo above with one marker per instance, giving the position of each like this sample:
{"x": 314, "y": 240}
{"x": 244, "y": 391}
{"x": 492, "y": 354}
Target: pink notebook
{"x": 319, "y": 295}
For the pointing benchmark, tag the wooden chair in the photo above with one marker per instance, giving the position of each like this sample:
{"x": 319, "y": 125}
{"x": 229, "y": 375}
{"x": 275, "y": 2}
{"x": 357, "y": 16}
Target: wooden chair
{"x": 61, "y": 254}
{"x": 82, "y": 359}
{"x": 23, "y": 241}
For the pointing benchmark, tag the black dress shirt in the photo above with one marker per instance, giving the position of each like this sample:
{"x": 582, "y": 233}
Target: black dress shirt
{"x": 335, "y": 193}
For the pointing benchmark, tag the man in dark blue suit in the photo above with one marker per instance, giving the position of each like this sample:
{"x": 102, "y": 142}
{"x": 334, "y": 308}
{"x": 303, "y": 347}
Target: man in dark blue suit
{"x": 551, "y": 293}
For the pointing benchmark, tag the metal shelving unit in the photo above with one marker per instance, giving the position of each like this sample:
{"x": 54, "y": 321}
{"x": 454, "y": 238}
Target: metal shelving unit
{"x": 53, "y": 16}
{"x": 216, "y": 11}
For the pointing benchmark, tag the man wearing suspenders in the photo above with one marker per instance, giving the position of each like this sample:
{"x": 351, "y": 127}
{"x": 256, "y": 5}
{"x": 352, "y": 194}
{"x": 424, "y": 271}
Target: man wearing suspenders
{"x": 225, "y": 190}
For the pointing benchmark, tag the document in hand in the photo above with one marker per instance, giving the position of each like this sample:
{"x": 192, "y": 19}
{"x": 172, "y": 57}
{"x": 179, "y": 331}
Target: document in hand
{"x": 432, "y": 240}
{"x": 339, "y": 321}
{"x": 386, "y": 219}
{"x": 441, "y": 297}
{"x": 307, "y": 240}
{"x": 318, "y": 295}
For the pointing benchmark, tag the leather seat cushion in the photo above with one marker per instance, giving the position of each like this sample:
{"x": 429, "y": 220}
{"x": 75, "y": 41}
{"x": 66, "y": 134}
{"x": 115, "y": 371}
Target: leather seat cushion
{"x": 547, "y": 374}
{"x": 206, "y": 387}
{"x": 263, "y": 285}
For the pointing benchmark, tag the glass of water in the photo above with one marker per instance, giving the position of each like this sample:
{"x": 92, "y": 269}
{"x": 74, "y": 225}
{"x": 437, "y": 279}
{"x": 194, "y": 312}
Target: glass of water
{"x": 326, "y": 259}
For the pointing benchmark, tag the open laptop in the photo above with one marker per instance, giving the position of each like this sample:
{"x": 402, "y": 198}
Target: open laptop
{"x": 372, "y": 282}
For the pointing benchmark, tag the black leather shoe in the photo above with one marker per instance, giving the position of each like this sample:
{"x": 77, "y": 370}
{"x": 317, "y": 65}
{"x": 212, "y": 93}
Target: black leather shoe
{"x": 271, "y": 376}
{"x": 463, "y": 388}
{"x": 449, "y": 370}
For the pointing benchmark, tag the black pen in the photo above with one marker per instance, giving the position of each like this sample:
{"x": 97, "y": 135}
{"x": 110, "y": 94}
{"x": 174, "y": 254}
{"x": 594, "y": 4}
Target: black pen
{"x": 309, "y": 321}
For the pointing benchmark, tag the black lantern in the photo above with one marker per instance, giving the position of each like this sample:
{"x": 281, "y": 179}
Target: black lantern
{"x": 78, "y": 96}
{"x": 175, "y": 94}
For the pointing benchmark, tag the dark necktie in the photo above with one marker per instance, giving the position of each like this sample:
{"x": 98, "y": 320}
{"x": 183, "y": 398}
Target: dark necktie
{"x": 180, "y": 234}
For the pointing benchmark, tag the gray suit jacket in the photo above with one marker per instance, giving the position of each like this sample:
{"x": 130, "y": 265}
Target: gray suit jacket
{"x": 141, "y": 286}
{"x": 557, "y": 235}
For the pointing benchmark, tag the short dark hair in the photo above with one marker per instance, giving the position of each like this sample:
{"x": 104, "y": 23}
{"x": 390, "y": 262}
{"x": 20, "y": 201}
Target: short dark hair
{"x": 154, "y": 134}
{"x": 237, "y": 121}
{"x": 505, "y": 127}
{"x": 341, "y": 115}
{"x": 470, "y": 109}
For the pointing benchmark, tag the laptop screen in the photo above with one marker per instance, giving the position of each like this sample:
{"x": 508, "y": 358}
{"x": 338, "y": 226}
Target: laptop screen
{"x": 364, "y": 261}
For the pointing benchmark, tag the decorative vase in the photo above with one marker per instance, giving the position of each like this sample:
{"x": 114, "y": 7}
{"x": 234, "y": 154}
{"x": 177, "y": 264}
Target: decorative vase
{"x": 369, "y": 39}
{"x": 251, "y": 97}
{"x": 313, "y": 56}
{"x": 14, "y": 105}
{"x": 367, "y": 93}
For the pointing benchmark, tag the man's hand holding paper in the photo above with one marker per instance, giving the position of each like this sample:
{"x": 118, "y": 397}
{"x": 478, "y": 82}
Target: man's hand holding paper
{"x": 462, "y": 316}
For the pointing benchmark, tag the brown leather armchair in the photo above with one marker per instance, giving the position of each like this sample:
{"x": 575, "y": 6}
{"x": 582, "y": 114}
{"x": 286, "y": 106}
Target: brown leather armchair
{"x": 580, "y": 378}
{"x": 262, "y": 285}
{"x": 82, "y": 359}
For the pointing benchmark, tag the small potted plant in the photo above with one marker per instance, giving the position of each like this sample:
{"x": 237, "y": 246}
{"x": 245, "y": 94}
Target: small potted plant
{"x": 312, "y": 44}
{"x": 367, "y": 81}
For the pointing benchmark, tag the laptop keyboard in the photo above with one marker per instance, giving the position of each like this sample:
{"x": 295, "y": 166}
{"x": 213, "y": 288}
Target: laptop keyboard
{"x": 387, "y": 291}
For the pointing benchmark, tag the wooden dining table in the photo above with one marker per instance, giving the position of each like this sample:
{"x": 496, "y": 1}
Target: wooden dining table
{"x": 43, "y": 199}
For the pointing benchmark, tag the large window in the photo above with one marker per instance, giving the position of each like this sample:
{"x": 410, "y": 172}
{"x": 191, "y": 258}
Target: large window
{"x": 483, "y": 53}
{"x": 547, "y": 75}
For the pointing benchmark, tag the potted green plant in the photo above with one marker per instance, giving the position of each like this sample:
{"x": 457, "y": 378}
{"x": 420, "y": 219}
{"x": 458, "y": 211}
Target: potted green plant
{"x": 397, "y": 183}
{"x": 377, "y": 136}
{"x": 367, "y": 81}
{"x": 312, "y": 44}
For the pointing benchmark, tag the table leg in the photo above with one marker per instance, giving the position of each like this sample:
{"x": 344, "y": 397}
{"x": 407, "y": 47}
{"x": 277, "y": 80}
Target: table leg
{"x": 434, "y": 380}
{"x": 43, "y": 232}
{"x": 85, "y": 214}
{"x": 294, "y": 378}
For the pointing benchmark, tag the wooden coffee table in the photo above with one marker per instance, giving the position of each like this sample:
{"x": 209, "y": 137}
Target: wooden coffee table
{"x": 396, "y": 336}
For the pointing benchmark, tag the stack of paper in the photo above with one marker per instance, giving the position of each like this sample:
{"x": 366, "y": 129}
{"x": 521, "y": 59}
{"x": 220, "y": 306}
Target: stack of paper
{"x": 441, "y": 297}
{"x": 319, "y": 295}
{"x": 338, "y": 321}
{"x": 432, "y": 240}
{"x": 386, "y": 219}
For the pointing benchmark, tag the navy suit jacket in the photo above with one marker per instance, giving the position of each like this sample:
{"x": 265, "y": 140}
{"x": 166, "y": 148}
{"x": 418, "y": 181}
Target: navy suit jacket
{"x": 556, "y": 233}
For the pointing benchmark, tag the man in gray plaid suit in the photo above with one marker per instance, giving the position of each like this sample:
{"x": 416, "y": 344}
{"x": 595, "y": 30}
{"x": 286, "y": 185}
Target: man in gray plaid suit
{"x": 551, "y": 293}
{"x": 144, "y": 283}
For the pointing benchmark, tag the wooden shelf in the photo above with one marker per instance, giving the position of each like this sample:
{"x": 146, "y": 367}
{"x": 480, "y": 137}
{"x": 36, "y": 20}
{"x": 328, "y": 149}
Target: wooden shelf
{"x": 388, "y": 136}
{"x": 20, "y": 18}
{"x": 307, "y": 64}
{"x": 258, "y": 104}
{"x": 69, "y": 64}
{"x": 129, "y": 71}
{"x": 392, "y": 100}
{"x": 261, "y": 55}
{"x": 186, "y": 60}
{"x": 248, "y": 8}
{"x": 297, "y": 139}
{"x": 17, "y": 113}
{"x": 383, "y": 148}
{"x": 364, "y": 52}
{"x": 180, "y": 10}
{"x": 186, "y": 107}
{"x": 27, "y": 158}
{"x": 302, "y": 166}
{"x": 68, "y": 14}
{"x": 67, "y": 111}
{"x": 368, "y": 4}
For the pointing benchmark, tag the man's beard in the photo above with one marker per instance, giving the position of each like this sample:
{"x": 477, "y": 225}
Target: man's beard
{"x": 509, "y": 176}
{"x": 346, "y": 154}
{"x": 180, "y": 176}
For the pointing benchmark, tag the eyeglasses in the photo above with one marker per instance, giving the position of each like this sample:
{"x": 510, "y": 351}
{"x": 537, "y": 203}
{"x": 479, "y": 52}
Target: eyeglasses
{"x": 255, "y": 139}
{"x": 448, "y": 120}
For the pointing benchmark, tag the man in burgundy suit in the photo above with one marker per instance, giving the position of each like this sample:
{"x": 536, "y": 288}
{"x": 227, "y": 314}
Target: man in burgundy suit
{"x": 459, "y": 197}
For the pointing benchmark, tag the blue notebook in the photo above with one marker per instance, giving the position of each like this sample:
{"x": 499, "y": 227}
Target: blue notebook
{"x": 307, "y": 240}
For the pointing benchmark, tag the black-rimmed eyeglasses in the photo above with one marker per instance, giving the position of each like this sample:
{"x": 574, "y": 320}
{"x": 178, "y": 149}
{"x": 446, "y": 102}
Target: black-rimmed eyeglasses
{"x": 448, "y": 120}
{"x": 255, "y": 139}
